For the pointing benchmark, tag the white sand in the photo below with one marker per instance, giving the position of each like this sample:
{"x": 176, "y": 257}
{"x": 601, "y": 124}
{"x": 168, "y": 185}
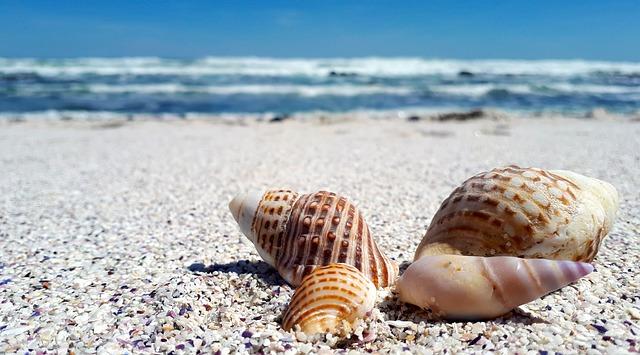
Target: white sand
{"x": 118, "y": 238}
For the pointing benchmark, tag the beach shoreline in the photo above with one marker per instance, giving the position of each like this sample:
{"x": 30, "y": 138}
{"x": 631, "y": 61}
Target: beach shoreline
{"x": 115, "y": 234}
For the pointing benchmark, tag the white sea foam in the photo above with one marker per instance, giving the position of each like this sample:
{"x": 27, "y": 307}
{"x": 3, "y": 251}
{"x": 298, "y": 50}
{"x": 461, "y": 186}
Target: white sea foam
{"x": 462, "y": 90}
{"x": 309, "y": 67}
{"x": 594, "y": 89}
{"x": 477, "y": 90}
{"x": 301, "y": 90}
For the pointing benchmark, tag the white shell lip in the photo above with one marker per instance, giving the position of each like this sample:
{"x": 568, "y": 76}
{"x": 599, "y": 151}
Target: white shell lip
{"x": 243, "y": 208}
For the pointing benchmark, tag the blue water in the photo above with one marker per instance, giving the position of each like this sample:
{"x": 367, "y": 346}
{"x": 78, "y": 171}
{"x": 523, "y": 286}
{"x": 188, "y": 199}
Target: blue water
{"x": 257, "y": 85}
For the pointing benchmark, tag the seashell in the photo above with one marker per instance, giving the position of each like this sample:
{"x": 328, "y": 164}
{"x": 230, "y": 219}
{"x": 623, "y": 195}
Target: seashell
{"x": 471, "y": 287}
{"x": 329, "y": 300}
{"x": 468, "y": 265}
{"x": 298, "y": 233}
{"x": 525, "y": 212}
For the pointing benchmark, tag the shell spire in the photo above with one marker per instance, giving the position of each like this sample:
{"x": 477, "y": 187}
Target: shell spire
{"x": 330, "y": 300}
{"x": 471, "y": 287}
{"x": 298, "y": 233}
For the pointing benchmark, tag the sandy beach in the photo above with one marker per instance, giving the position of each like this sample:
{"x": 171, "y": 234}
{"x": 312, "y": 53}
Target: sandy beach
{"x": 116, "y": 237}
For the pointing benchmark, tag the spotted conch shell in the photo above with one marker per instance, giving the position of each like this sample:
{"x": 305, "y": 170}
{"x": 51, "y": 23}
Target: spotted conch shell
{"x": 298, "y": 233}
{"x": 329, "y": 300}
{"x": 469, "y": 264}
{"x": 524, "y": 212}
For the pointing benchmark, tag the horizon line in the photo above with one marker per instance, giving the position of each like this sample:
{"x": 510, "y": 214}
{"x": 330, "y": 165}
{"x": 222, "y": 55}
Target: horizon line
{"x": 400, "y": 57}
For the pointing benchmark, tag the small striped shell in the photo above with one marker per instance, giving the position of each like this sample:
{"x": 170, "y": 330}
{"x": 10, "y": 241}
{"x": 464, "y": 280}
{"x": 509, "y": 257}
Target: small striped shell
{"x": 471, "y": 287}
{"x": 330, "y": 300}
{"x": 525, "y": 212}
{"x": 298, "y": 233}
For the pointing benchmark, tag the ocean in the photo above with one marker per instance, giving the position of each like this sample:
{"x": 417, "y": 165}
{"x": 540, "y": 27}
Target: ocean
{"x": 107, "y": 87}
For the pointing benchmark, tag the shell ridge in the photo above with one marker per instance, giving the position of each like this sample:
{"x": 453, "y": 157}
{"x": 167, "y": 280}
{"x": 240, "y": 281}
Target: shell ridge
{"x": 289, "y": 252}
{"x": 339, "y": 233}
{"x": 351, "y": 234}
{"x": 384, "y": 271}
{"x": 285, "y": 222}
{"x": 373, "y": 263}
{"x": 330, "y": 229}
{"x": 305, "y": 258}
{"x": 255, "y": 218}
{"x": 326, "y": 227}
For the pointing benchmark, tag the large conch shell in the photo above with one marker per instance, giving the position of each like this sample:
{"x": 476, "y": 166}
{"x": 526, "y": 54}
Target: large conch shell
{"x": 511, "y": 212}
{"x": 524, "y": 212}
{"x": 298, "y": 233}
{"x": 329, "y": 300}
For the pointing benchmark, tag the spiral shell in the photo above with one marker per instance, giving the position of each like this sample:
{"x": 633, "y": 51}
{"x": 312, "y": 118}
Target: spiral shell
{"x": 298, "y": 233}
{"x": 525, "y": 212}
{"x": 470, "y": 287}
{"x": 329, "y": 300}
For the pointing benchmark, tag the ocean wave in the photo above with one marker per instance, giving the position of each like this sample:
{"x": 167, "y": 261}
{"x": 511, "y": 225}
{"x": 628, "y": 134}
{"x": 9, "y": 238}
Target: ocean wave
{"x": 300, "y": 90}
{"x": 347, "y": 90}
{"x": 384, "y": 67}
{"x": 478, "y": 90}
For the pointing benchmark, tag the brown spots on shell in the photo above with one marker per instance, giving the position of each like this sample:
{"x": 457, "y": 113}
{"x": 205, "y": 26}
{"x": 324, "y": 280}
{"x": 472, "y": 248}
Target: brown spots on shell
{"x": 564, "y": 200}
{"x": 480, "y": 215}
{"x": 473, "y": 198}
{"x": 491, "y": 202}
{"x": 509, "y": 211}
{"x": 529, "y": 230}
{"x": 326, "y": 254}
{"x": 477, "y": 185}
{"x": 329, "y": 217}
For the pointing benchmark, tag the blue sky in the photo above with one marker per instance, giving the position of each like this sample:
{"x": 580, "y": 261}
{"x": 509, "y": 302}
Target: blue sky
{"x": 605, "y": 30}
